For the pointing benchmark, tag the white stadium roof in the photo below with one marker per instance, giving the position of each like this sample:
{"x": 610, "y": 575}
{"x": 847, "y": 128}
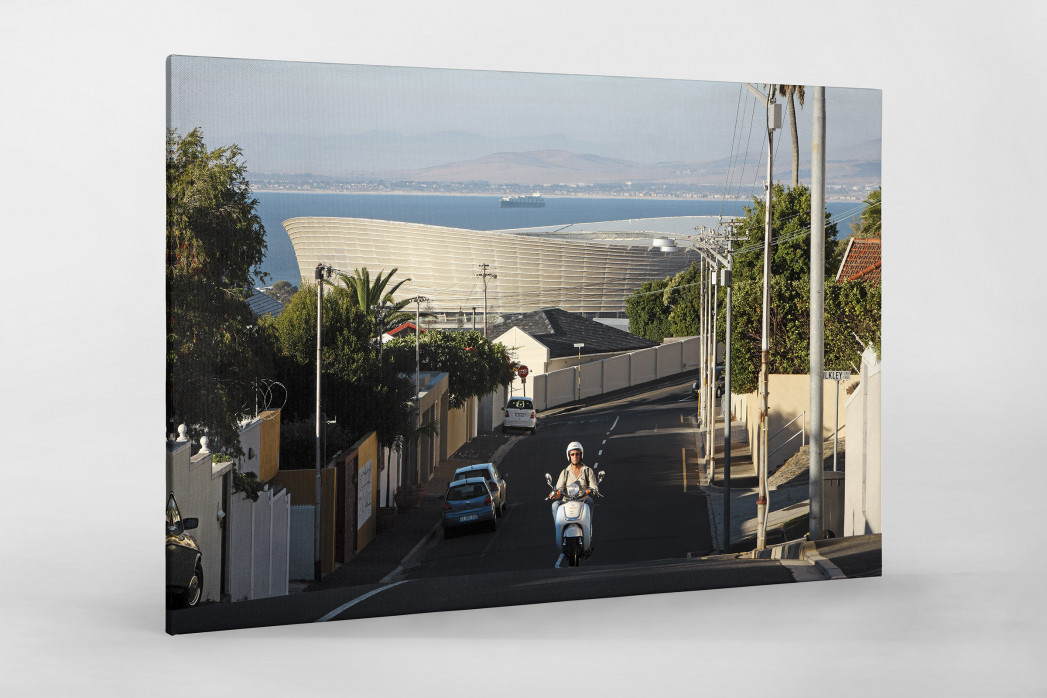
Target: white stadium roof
{"x": 582, "y": 268}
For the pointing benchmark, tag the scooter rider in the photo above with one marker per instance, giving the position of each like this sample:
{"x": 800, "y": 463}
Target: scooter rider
{"x": 578, "y": 471}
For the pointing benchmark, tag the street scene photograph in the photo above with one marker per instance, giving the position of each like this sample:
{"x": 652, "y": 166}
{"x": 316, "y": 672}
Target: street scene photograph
{"x": 441, "y": 339}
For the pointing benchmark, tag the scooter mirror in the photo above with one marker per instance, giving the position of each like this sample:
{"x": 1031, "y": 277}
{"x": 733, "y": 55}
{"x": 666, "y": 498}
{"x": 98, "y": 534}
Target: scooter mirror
{"x": 549, "y": 479}
{"x": 599, "y": 476}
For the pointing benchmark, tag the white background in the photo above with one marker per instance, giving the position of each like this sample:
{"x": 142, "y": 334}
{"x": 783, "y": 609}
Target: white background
{"x": 959, "y": 610}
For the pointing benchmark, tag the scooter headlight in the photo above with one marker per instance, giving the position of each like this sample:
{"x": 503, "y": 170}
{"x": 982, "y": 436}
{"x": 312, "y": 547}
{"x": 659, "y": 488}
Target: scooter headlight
{"x": 574, "y": 489}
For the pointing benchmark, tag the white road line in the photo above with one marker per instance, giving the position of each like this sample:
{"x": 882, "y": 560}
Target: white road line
{"x": 613, "y": 425}
{"x": 558, "y": 561}
{"x": 600, "y": 453}
{"x": 338, "y": 611}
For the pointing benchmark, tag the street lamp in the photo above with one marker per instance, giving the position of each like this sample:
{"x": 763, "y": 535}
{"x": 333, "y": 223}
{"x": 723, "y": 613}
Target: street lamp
{"x": 578, "y": 346}
{"x": 322, "y": 271}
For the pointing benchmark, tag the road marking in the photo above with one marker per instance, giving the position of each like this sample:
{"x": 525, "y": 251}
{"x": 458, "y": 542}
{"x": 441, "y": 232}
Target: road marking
{"x": 683, "y": 453}
{"x": 338, "y": 611}
{"x": 600, "y": 453}
{"x": 613, "y": 425}
{"x": 558, "y": 561}
{"x": 604, "y": 441}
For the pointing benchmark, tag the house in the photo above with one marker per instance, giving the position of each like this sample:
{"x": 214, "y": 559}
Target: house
{"x": 406, "y": 329}
{"x": 861, "y": 261}
{"x": 545, "y": 340}
{"x": 261, "y": 304}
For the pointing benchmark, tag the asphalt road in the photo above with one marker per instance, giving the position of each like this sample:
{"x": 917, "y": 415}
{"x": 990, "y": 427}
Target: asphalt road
{"x": 650, "y": 529}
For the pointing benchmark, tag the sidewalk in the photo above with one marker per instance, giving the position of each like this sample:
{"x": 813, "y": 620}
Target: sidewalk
{"x": 857, "y": 556}
{"x": 394, "y": 548}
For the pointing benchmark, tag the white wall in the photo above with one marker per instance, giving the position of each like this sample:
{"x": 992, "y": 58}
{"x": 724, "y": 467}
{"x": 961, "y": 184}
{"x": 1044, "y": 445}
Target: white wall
{"x": 197, "y": 486}
{"x": 862, "y": 505}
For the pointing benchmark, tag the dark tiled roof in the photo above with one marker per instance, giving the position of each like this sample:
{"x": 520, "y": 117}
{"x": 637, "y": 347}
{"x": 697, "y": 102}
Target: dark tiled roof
{"x": 261, "y": 304}
{"x": 559, "y": 330}
{"x": 861, "y": 260}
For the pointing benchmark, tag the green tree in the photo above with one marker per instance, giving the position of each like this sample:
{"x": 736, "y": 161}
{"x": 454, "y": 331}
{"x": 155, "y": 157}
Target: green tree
{"x": 850, "y": 308}
{"x": 215, "y": 243}
{"x": 648, "y": 315}
{"x": 368, "y": 293}
{"x": 794, "y": 93}
{"x": 474, "y": 364}
{"x": 359, "y": 386}
{"x": 868, "y": 225}
{"x": 791, "y": 240}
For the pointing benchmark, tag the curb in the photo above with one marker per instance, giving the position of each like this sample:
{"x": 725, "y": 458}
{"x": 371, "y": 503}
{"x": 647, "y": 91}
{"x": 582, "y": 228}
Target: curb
{"x": 409, "y": 558}
{"x": 824, "y": 565}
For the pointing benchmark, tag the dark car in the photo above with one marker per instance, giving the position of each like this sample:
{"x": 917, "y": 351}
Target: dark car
{"x": 495, "y": 482}
{"x": 469, "y": 503}
{"x": 720, "y": 387}
{"x": 185, "y": 572}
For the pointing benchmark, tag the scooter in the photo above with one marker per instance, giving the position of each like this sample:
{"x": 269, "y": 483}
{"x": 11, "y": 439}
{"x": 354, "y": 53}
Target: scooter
{"x": 574, "y": 521}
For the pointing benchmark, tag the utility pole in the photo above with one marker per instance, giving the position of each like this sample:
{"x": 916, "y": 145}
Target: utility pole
{"x": 578, "y": 346}
{"x": 727, "y": 396}
{"x": 774, "y": 120}
{"x": 817, "y": 312}
{"x": 711, "y": 376}
{"x": 321, "y": 272}
{"x": 484, "y": 275}
{"x": 474, "y": 317}
{"x": 418, "y": 300}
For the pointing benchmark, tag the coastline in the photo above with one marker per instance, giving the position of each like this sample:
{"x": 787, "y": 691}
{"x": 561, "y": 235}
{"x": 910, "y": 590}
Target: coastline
{"x": 405, "y": 192}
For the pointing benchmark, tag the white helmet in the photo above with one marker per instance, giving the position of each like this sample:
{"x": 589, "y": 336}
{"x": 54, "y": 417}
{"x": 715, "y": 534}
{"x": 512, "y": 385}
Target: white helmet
{"x": 574, "y": 446}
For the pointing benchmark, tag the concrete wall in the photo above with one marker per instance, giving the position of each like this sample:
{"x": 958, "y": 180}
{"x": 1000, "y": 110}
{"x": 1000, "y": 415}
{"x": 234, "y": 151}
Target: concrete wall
{"x": 461, "y": 425}
{"x": 616, "y": 373}
{"x": 561, "y": 387}
{"x": 788, "y": 397}
{"x": 269, "y": 443}
{"x": 644, "y": 366}
{"x": 198, "y": 483}
{"x": 367, "y": 470}
{"x": 491, "y": 409}
{"x": 862, "y": 505}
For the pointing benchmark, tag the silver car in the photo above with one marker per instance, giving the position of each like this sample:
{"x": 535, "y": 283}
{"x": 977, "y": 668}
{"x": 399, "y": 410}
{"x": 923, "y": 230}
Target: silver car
{"x": 496, "y": 483}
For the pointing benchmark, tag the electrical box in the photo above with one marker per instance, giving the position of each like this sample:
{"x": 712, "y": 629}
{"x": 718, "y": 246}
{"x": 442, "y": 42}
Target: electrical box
{"x": 725, "y": 277}
{"x": 774, "y": 116}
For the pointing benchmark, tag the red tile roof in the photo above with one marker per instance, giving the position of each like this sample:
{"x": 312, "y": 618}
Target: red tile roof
{"x": 861, "y": 260}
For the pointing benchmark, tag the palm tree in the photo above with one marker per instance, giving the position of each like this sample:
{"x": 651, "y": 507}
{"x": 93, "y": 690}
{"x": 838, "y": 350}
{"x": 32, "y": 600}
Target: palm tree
{"x": 791, "y": 92}
{"x": 368, "y": 295}
{"x": 869, "y": 224}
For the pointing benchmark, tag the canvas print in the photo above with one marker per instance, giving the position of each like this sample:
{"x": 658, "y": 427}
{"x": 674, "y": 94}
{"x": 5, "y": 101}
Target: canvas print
{"x": 454, "y": 339}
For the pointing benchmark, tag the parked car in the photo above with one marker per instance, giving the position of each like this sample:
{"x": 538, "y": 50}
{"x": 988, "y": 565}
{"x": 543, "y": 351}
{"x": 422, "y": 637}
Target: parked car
{"x": 719, "y": 384}
{"x": 185, "y": 572}
{"x": 468, "y": 502}
{"x": 495, "y": 482}
{"x": 520, "y": 414}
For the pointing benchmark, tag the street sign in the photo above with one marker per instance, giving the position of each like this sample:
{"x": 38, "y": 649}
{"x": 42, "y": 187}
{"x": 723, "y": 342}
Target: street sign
{"x": 837, "y": 375}
{"x": 522, "y": 372}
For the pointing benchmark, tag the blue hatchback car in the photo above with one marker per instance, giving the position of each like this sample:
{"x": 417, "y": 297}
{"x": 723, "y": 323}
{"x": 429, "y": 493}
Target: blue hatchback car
{"x": 468, "y": 502}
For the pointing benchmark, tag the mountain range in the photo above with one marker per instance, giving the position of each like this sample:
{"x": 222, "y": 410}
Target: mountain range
{"x": 458, "y": 156}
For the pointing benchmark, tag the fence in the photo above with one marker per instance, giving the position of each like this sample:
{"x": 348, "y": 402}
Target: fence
{"x": 614, "y": 373}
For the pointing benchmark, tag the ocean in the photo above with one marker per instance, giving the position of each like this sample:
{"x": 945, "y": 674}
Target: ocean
{"x": 474, "y": 213}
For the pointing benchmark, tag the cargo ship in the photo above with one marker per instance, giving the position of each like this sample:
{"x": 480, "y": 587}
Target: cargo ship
{"x": 532, "y": 201}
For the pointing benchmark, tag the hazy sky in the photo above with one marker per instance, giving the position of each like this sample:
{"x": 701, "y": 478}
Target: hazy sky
{"x": 638, "y": 119}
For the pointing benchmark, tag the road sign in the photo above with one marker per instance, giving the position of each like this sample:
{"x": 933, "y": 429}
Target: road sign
{"x": 522, "y": 372}
{"x": 837, "y": 375}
